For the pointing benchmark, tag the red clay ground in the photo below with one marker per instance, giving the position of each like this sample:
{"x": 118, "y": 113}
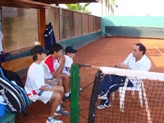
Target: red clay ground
{"x": 105, "y": 52}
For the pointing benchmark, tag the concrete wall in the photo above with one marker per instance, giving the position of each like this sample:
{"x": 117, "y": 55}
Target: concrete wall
{"x": 80, "y": 41}
{"x": 133, "y": 26}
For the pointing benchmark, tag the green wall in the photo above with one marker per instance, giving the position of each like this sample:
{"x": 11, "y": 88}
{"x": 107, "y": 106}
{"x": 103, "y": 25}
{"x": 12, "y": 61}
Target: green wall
{"x": 132, "y": 21}
{"x": 80, "y": 41}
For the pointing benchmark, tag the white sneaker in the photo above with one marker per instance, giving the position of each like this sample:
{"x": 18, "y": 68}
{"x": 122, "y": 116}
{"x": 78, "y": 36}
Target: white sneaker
{"x": 54, "y": 120}
{"x": 61, "y": 112}
{"x": 102, "y": 96}
{"x": 103, "y": 106}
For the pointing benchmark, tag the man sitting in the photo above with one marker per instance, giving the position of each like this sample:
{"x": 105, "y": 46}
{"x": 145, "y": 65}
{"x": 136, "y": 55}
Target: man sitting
{"x": 137, "y": 60}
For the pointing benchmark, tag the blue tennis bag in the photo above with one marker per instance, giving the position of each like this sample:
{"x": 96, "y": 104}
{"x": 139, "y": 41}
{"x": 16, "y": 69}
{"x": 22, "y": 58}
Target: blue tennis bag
{"x": 12, "y": 90}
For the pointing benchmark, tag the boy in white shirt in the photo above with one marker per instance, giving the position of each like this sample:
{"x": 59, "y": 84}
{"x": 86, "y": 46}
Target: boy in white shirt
{"x": 38, "y": 89}
{"x": 69, "y": 55}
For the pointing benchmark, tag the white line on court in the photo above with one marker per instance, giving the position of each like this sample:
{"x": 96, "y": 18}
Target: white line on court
{"x": 146, "y": 105}
{"x": 159, "y": 50}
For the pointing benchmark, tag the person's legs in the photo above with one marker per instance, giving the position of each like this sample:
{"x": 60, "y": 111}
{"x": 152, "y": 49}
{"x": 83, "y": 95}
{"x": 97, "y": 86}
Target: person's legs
{"x": 105, "y": 83}
{"x": 56, "y": 100}
{"x": 66, "y": 82}
{"x": 114, "y": 83}
{"x": 59, "y": 89}
{"x": 115, "y": 87}
{"x": 60, "y": 82}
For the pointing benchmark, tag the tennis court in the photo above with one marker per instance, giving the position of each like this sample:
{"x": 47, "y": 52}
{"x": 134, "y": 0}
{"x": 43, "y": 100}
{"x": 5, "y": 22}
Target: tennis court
{"x": 105, "y": 52}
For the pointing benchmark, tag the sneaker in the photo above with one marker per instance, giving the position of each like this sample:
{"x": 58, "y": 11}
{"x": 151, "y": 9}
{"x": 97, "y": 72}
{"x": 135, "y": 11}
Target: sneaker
{"x": 61, "y": 112}
{"x": 54, "y": 120}
{"x": 103, "y": 106}
{"x": 102, "y": 96}
{"x": 68, "y": 98}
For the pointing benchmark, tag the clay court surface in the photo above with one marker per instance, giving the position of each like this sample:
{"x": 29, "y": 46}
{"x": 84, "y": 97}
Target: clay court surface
{"x": 105, "y": 52}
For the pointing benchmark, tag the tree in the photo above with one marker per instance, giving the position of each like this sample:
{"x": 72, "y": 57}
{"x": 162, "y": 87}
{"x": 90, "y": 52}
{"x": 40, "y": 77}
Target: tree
{"x": 110, "y": 4}
{"x": 78, "y": 7}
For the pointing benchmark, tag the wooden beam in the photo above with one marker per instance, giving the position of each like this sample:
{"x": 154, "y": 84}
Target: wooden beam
{"x": 23, "y": 4}
{"x": 39, "y": 3}
{"x": 65, "y": 1}
{"x": 42, "y": 24}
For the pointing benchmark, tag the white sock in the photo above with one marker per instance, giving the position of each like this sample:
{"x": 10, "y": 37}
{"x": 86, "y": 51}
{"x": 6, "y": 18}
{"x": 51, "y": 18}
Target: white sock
{"x": 58, "y": 108}
{"x": 50, "y": 118}
{"x": 67, "y": 94}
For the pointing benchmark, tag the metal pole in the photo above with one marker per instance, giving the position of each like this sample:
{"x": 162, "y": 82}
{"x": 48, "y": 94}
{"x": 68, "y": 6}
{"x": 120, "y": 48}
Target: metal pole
{"x": 75, "y": 90}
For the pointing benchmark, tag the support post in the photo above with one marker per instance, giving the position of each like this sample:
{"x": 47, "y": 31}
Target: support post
{"x": 75, "y": 90}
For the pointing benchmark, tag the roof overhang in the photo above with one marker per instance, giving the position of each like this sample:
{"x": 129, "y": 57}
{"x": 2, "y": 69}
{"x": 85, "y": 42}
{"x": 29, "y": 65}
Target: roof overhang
{"x": 40, "y": 3}
{"x": 23, "y": 3}
{"x": 65, "y": 1}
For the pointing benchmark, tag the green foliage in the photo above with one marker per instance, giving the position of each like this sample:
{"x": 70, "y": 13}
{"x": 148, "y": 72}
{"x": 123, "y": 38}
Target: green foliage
{"x": 110, "y": 2}
{"x": 78, "y": 7}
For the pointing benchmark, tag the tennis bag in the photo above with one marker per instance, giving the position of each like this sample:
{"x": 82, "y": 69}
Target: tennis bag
{"x": 15, "y": 96}
{"x": 49, "y": 37}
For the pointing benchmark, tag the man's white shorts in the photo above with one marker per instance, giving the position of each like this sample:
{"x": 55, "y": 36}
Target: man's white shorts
{"x": 45, "y": 96}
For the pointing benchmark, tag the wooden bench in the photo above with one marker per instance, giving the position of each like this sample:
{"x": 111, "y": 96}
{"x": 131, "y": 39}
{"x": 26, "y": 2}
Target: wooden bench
{"x": 19, "y": 65}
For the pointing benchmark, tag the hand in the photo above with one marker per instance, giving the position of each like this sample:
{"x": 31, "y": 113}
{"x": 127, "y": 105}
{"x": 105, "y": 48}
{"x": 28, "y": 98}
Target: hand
{"x": 62, "y": 59}
{"x": 117, "y": 65}
{"x": 120, "y": 65}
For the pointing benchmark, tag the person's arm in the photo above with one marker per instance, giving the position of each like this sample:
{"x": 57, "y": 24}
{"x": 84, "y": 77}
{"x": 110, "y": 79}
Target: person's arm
{"x": 123, "y": 64}
{"x": 120, "y": 65}
{"x": 68, "y": 63}
{"x": 60, "y": 68}
{"x": 51, "y": 82}
{"x": 45, "y": 88}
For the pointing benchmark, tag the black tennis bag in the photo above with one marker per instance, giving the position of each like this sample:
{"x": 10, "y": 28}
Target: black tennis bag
{"x": 15, "y": 96}
{"x": 49, "y": 37}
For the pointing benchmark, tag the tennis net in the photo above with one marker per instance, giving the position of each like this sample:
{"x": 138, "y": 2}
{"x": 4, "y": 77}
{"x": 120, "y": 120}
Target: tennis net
{"x": 140, "y": 104}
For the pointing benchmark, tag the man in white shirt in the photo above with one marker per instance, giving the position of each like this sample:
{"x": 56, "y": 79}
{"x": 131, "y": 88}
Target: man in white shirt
{"x": 137, "y": 60}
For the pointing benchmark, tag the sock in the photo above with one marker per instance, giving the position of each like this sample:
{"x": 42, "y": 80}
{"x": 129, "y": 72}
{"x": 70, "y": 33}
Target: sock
{"x": 58, "y": 108}
{"x": 49, "y": 118}
{"x": 67, "y": 94}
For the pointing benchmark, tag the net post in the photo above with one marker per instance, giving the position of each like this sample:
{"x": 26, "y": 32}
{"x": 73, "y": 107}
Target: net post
{"x": 95, "y": 91}
{"x": 75, "y": 90}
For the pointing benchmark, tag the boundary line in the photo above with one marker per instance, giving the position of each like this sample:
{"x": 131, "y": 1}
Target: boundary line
{"x": 159, "y": 50}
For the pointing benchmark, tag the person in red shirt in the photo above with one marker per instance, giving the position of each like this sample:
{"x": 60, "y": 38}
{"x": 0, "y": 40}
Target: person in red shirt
{"x": 55, "y": 62}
